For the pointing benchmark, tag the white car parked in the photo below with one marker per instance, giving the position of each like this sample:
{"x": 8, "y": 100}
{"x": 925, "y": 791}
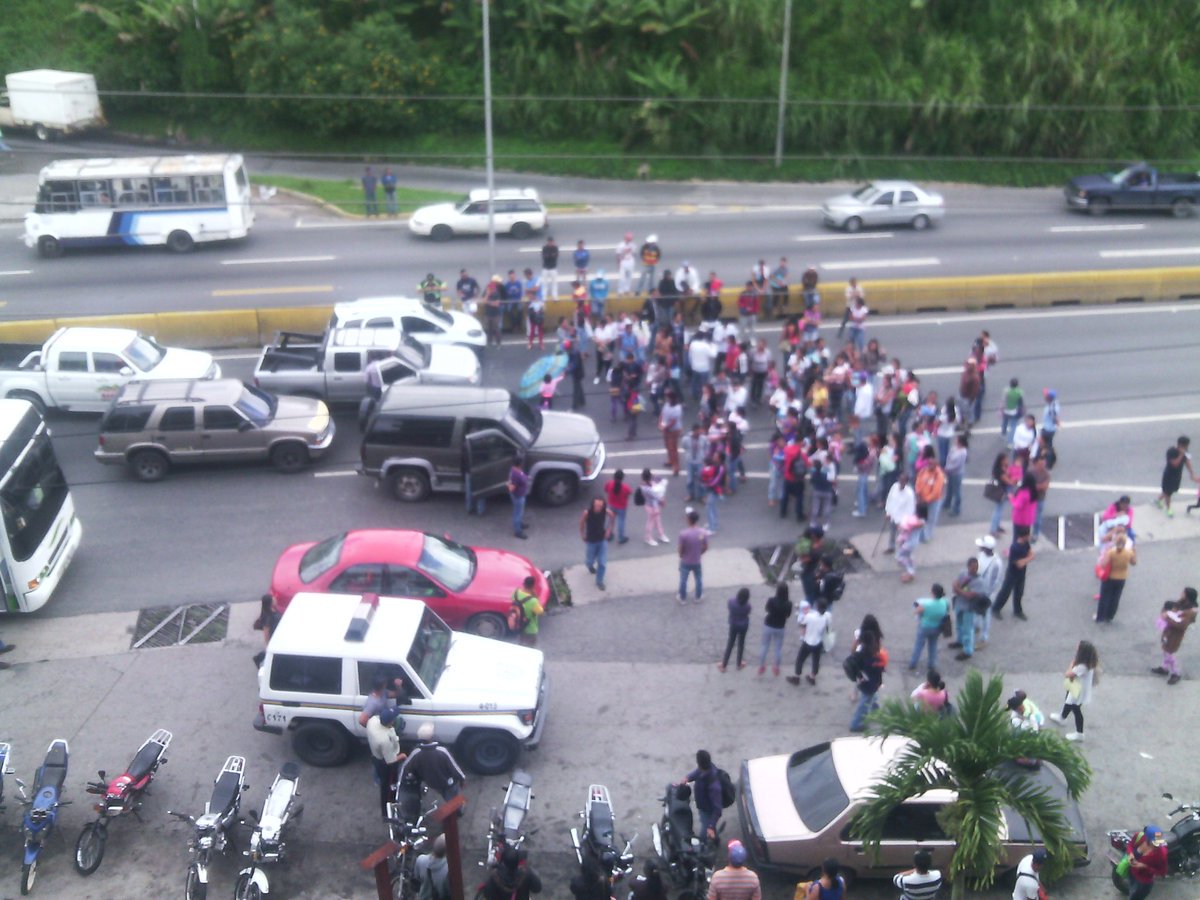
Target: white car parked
{"x": 884, "y": 203}
{"x": 519, "y": 212}
{"x": 426, "y": 323}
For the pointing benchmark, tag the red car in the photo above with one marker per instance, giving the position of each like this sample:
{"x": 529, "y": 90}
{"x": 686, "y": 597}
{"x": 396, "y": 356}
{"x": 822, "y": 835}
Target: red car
{"x": 471, "y": 588}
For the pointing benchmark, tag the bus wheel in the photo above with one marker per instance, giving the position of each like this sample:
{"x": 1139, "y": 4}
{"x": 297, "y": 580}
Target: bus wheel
{"x": 49, "y": 247}
{"x": 180, "y": 241}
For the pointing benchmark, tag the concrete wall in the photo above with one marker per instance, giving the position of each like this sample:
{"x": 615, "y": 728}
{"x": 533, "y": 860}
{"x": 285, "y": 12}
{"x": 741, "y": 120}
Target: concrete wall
{"x": 255, "y": 327}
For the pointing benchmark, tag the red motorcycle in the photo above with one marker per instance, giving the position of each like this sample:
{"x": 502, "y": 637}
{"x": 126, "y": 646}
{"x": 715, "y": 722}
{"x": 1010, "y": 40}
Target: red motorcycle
{"x": 122, "y": 795}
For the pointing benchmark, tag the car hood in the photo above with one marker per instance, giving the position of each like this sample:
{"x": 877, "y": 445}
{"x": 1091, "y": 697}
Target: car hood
{"x": 440, "y": 211}
{"x": 1021, "y": 831}
{"x": 1090, "y": 182}
{"x": 497, "y": 574}
{"x": 514, "y": 675}
{"x": 465, "y": 324}
{"x": 285, "y": 579}
{"x": 567, "y": 434}
{"x": 778, "y": 818}
{"x": 299, "y": 415}
{"x": 844, "y": 200}
{"x": 177, "y": 363}
{"x": 451, "y": 363}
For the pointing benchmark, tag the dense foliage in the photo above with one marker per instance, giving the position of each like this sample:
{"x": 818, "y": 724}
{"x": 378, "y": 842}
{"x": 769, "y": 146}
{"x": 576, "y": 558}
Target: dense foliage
{"x": 1041, "y": 79}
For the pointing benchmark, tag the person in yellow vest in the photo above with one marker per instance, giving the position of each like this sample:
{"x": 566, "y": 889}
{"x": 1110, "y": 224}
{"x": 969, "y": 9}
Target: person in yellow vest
{"x": 532, "y": 608}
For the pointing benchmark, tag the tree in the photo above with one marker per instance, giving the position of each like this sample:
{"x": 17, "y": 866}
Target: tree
{"x": 967, "y": 752}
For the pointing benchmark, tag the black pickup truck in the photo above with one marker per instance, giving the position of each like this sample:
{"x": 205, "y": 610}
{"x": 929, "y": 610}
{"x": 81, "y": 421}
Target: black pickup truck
{"x": 1136, "y": 187}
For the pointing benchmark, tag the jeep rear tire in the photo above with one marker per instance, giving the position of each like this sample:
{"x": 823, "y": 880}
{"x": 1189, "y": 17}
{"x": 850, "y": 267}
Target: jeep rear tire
{"x": 409, "y": 485}
{"x": 321, "y": 744}
{"x": 489, "y": 752}
{"x": 148, "y": 465}
{"x": 557, "y": 488}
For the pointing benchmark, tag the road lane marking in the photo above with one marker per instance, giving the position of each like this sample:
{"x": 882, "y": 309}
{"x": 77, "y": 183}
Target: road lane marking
{"x": 939, "y": 370}
{"x": 882, "y": 263}
{"x": 1150, "y": 251}
{"x": 336, "y": 473}
{"x": 862, "y": 236}
{"x": 267, "y": 291}
{"x": 1072, "y": 229}
{"x": 18, "y": 272}
{"x": 276, "y": 260}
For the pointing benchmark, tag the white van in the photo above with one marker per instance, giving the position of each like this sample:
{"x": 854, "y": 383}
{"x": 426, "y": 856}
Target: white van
{"x": 485, "y": 698}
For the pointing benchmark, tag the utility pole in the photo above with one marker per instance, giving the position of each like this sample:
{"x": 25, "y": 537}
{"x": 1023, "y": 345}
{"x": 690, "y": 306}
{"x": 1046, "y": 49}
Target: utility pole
{"x": 487, "y": 137}
{"x": 783, "y": 80}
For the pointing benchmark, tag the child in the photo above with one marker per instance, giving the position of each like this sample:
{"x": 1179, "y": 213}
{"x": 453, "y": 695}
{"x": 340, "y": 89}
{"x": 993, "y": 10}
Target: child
{"x": 1080, "y": 677}
{"x": 654, "y": 492}
{"x": 549, "y": 386}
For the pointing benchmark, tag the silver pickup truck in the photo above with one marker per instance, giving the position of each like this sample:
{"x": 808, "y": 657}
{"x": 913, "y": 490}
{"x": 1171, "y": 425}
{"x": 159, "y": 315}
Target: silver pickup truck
{"x": 333, "y": 367}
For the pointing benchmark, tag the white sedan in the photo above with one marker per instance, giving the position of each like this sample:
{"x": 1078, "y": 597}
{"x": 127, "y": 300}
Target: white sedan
{"x": 519, "y": 212}
{"x": 884, "y": 203}
{"x": 414, "y": 317}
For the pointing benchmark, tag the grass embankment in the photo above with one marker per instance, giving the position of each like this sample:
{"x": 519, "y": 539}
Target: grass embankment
{"x": 347, "y": 195}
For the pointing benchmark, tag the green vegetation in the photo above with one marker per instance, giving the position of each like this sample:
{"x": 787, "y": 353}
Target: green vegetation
{"x": 1017, "y": 93}
{"x": 347, "y": 194}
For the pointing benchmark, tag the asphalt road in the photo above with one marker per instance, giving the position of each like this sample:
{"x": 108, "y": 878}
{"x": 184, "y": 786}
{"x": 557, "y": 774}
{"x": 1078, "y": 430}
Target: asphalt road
{"x": 1124, "y": 376}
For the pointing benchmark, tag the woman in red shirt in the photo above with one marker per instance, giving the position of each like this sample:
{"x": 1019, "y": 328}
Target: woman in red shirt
{"x": 1147, "y": 861}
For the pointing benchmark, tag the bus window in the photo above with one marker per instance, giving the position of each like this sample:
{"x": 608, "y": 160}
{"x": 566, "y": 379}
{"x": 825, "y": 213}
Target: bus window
{"x": 208, "y": 189}
{"x": 132, "y": 191}
{"x": 243, "y": 183}
{"x": 94, "y": 192}
{"x": 57, "y": 197}
{"x": 173, "y": 191}
{"x": 31, "y": 497}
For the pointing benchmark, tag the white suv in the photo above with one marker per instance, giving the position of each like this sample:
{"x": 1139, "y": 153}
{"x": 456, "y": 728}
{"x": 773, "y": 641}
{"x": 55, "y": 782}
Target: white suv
{"x": 518, "y": 212}
{"x": 486, "y": 698}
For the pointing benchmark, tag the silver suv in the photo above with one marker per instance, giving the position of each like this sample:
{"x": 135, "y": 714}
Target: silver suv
{"x": 152, "y": 425}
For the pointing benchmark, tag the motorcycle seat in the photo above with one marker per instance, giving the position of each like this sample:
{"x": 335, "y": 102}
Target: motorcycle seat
{"x": 408, "y": 799}
{"x": 144, "y": 761}
{"x": 600, "y": 817}
{"x": 54, "y": 767}
{"x": 681, "y": 826}
{"x": 225, "y": 793}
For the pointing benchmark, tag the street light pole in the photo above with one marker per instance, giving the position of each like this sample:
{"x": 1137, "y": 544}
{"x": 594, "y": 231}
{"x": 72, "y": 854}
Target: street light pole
{"x": 487, "y": 137}
{"x": 783, "y": 79}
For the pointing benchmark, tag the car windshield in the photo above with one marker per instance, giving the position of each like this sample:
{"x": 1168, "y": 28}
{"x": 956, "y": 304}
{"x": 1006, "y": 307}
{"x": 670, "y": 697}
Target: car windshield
{"x": 320, "y": 558}
{"x": 865, "y": 192}
{"x": 414, "y": 352}
{"x": 815, "y": 787}
{"x": 144, "y": 353}
{"x": 431, "y": 646}
{"x": 451, "y": 564}
{"x": 257, "y": 406}
{"x": 523, "y": 420}
{"x": 440, "y": 314}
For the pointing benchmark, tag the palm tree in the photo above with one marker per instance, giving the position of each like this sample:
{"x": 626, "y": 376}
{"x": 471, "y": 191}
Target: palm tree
{"x": 966, "y": 752}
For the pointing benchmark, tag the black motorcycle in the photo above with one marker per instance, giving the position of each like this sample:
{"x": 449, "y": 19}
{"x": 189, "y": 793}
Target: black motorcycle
{"x": 687, "y": 858}
{"x": 599, "y": 836}
{"x": 1183, "y": 845}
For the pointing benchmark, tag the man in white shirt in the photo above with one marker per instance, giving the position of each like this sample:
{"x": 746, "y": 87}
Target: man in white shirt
{"x": 738, "y": 396}
{"x": 386, "y": 757}
{"x": 701, "y": 354}
{"x": 864, "y": 405}
{"x": 687, "y": 279}
{"x": 625, "y": 264}
{"x": 1029, "y": 877}
{"x": 991, "y": 574}
{"x": 901, "y": 503}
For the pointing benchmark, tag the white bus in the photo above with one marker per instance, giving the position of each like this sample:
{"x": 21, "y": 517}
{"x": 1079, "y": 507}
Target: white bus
{"x": 41, "y": 532}
{"x": 172, "y": 200}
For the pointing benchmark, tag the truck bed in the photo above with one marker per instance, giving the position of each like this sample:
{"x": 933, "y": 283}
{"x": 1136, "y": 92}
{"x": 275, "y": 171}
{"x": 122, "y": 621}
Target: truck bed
{"x": 292, "y": 351}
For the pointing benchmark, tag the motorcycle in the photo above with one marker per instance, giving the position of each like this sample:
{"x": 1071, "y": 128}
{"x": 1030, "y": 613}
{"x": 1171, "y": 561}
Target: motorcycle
{"x": 406, "y": 823}
{"x": 266, "y": 841}
{"x": 506, "y": 827}
{"x": 210, "y": 832}
{"x": 41, "y": 810}
{"x": 598, "y": 833}
{"x": 687, "y": 859}
{"x": 123, "y": 795}
{"x": 1183, "y": 845}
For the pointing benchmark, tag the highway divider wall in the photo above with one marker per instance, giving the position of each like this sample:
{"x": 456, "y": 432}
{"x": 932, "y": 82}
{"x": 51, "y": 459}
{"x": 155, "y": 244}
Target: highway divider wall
{"x": 255, "y": 327}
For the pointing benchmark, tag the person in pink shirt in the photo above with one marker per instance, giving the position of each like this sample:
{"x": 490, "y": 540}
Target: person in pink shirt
{"x": 1024, "y": 505}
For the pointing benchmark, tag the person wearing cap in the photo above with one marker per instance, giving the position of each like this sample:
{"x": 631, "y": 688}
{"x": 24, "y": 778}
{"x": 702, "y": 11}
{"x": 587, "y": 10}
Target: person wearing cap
{"x": 735, "y": 881}
{"x": 512, "y": 878}
{"x": 432, "y": 871}
{"x": 432, "y": 765}
{"x": 432, "y": 290}
{"x": 1147, "y": 861}
{"x": 386, "y": 757}
{"x": 1050, "y": 414}
{"x": 625, "y": 264}
{"x": 598, "y": 294}
{"x": 991, "y": 577}
{"x": 1029, "y": 878}
{"x": 650, "y": 254}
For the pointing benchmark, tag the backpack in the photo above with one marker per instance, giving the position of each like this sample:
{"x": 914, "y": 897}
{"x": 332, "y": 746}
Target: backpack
{"x": 639, "y": 498}
{"x": 852, "y": 666}
{"x": 797, "y": 467}
{"x": 517, "y": 618}
{"x": 728, "y": 789}
{"x": 820, "y": 479}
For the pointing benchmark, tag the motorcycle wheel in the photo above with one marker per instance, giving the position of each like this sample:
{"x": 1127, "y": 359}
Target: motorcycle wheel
{"x": 246, "y": 888}
{"x": 28, "y": 875}
{"x": 1121, "y": 884}
{"x": 194, "y": 888}
{"x": 89, "y": 849}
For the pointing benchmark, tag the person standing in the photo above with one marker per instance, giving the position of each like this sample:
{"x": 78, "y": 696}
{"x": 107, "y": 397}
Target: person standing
{"x": 532, "y": 609}
{"x": 930, "y": 612}
{"x": 1029, "y": 880}
{"x": 581, "y": 257}
{"x": 695, "y": 451}
{"x": 739, "y": 624}
{"x": 795, "y": 470}
{"x": 815, "y": 623}
{"x": 1024, "y": 505}
{"x": 625, "y": 264}
{"x": 598, "y": 294}
{"x": 779, "y": 289}
{"x": 854, "y": 293}
{"x": 779, "y": 609}
{"x": 871, "y": 660}
{"x": 901, "y": 504}
{"x": 969, "y": 597}
{"x": 930, "y": 488}
{"x": 670, "y": 423}
{"x": 748, "y": 309}
{"x": 1005, "y": 477}
{"x": 991, "y": 576}
{"x": 550, "y": 269}
{"x": 1178, "y": 459}
{"x": 518, "y": 492}
{"x": 969, "y": 387}
{"x": 654, "y": 492}
{"x": 956, "y": 467}
{"x": 388, "y": 182}
{"x": 922, "y": 881}
{"x": 706, "y": 789}
{"x": 650, "y": 254}
{"x": 908, "y": 536}
{"x": 1039, "y": 469}
{"x": 1147, "y": 861}
{"x": 1079, "y": 679}
{"x": 1115, "y": 562}
{"x": 1176, "y": 617}
{"x": 433, "y": 765}
{"x": 858, "y": 324}
{"x": 712, "y": 480}
{"x": 493, "y": 309}
{"x": 735, "y": 881}
{"x": 386, "y": 757}
{"x": 467, "y": 289}
{"x": 595, "y": 530}
{"x": 1050, "y": 421}
{"x": 617, "y": 492}
{"x": 693, "y": 544}
{"x": 1012, "y": 411}
{"x": 535, "y": 309}
{"x": 370, "y": 188}
{"x": 1020, "y": 555}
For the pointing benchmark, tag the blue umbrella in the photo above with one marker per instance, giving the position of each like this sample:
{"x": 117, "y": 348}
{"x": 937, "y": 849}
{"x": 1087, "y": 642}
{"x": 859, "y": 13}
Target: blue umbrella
{"x": 531, "y": 381}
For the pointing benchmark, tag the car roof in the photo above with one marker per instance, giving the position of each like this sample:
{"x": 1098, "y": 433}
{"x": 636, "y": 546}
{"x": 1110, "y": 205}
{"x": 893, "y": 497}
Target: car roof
{"x": 460, "y": 401}
{"x": 372, "y": 304}
{"x": 388, "y": 338}
{"x": 87, "y": 338}
{"x": 504, "y": 194}
{"x": 861, "y": 762}
{"x": 897, "y": 186}
{"x": 398, "y": 545}
{"x": 316, "y": 624}
{"x": 182, "y": 390}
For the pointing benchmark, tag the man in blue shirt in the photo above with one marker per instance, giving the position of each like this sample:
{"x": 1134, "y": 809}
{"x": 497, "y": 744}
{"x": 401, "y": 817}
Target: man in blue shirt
{"x": 518, "y": 491}
{"x": 513, "y": 290}
{"x": 598, "y": 294}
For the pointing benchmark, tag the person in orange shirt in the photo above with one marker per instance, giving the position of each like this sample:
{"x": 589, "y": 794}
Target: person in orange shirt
{"x": 930, "y": 488}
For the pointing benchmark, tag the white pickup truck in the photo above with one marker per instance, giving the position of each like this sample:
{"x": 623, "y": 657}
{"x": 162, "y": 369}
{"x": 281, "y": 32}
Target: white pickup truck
{"x": 83, "y": 369}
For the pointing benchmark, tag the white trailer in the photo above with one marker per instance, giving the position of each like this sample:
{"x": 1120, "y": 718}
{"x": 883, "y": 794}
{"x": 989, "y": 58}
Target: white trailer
{"x": 51, "y": 103}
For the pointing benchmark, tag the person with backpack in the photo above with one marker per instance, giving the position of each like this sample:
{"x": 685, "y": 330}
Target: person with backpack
{"x": 823, "y": 477}
{"x": 713, "y": 790}
{"x": 868, "y": 662}
{"x": 524, "y": 613}
{"x": 513, "y": 878}
{"x": 795, "y": 471}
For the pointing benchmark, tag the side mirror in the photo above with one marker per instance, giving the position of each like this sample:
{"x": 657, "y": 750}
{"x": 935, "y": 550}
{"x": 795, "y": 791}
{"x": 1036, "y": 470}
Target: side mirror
{"x": 254, "y": 814}
{"x": 125, "y": 372}
{"x": 246, "y": 426}
{"x": 103, "y": 776}
{"x": 1167, "y": 796}
{"x": 245, "y": 787}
